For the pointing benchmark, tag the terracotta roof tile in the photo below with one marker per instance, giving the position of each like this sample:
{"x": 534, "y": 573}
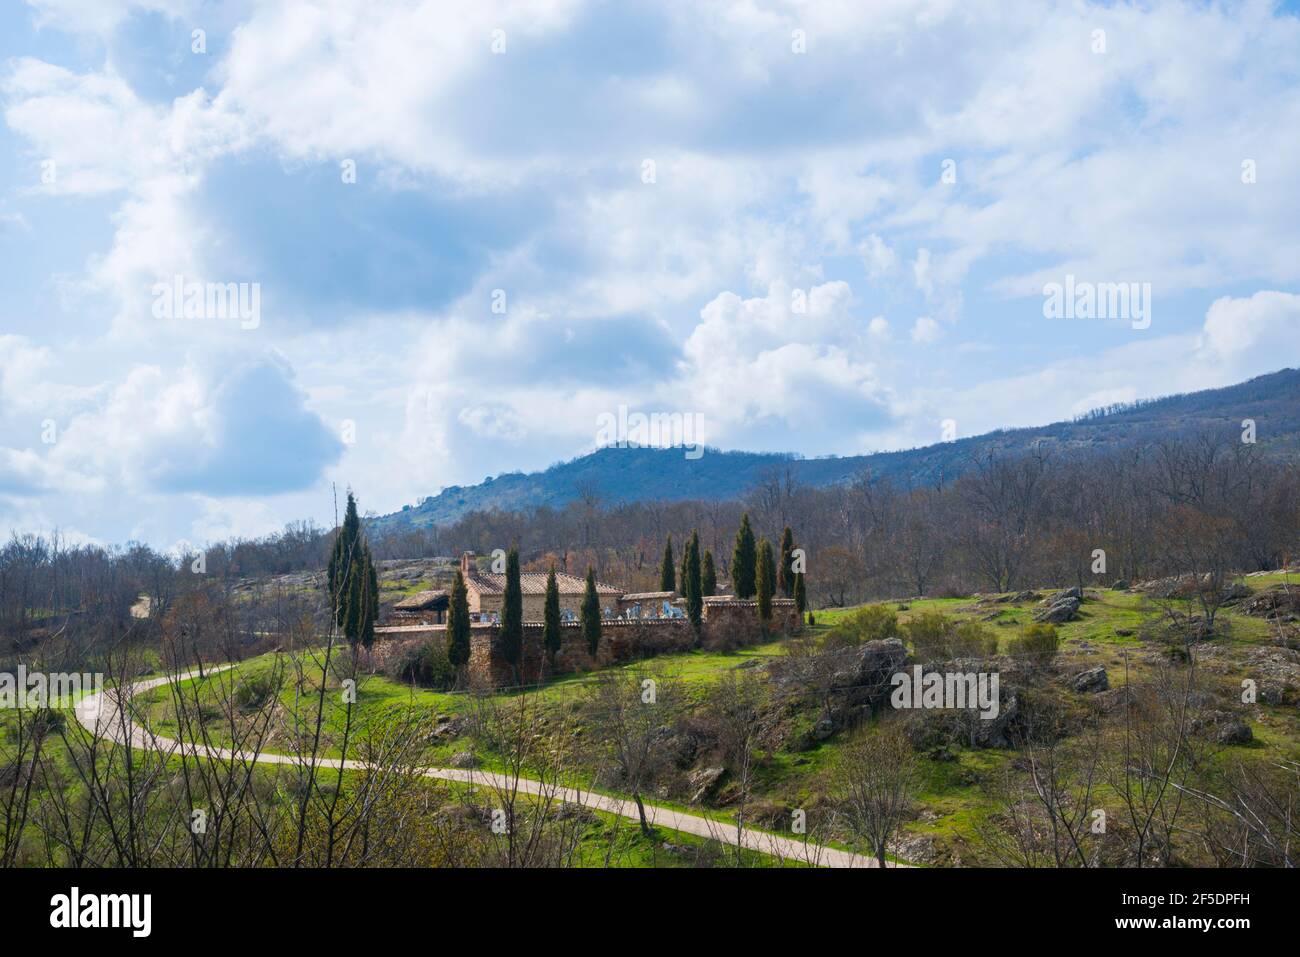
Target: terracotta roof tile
{"x": 534, "y": 584}
{"x": 423, "y": 600}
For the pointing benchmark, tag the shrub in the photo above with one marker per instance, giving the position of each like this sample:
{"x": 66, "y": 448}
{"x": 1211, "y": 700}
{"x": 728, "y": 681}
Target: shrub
{"x": 253, "y": 692}
{"x": 426, "y": 664}
{"x": 869, "y": 623}
{"x": 970, "y": 639}
{"x": 936, "y": 637}
{"x": 1039, "y": 642}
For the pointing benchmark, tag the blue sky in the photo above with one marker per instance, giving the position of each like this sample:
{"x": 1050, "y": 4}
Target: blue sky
{"x": 798, "y": 270}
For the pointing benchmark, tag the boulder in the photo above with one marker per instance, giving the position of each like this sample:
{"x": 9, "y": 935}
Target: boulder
{"x": 1060, "y": 611}
{"x": 914, "y": 848}
{"x": 1223, "y": 727}
{"x": 1236, "y": 592}
{"x": 1091, "y": 681}
{"x": 463, "y": 759}
{"x": 995, "y": 733}
{"x": 702, "y": 781}
{"x": 854, "y": 681}
{"x": 1121, "y": 585}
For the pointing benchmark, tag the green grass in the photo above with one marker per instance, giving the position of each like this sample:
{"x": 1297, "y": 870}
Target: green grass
{"x": 951, "y": 799}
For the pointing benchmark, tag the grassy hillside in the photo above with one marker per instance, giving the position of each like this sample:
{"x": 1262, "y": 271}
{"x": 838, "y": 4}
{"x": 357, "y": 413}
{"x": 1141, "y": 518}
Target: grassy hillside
{"x": 796, "y": 759}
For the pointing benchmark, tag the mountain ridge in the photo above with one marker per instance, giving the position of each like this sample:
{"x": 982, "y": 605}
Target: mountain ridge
{"x": 616, "y": 475}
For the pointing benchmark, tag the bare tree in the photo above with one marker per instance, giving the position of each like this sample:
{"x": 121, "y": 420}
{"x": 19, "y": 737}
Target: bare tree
{"x": 876, "y": 777}
{"x": 633, "y": 708}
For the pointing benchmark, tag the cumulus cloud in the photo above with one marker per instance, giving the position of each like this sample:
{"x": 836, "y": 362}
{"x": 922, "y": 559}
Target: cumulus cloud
{"x": 729, "y": 282}
{"x": 1252, "y": 332}
{"x": 792, "y": 355}
{"x": 228, "y": 426}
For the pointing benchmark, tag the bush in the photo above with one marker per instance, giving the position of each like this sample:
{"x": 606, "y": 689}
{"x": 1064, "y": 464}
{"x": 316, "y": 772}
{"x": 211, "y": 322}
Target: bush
{"x": 936, "y": 637}
{"x": 1039, "y": 642}
{"x": 426, "y": 665}
{"x": 252, "y": 693}
{"x": 970, "y": 639}
{"x": 869, "y": 623}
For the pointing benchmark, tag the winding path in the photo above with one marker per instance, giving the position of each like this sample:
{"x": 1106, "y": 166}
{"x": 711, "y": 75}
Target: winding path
{"x": 104, "y": 718}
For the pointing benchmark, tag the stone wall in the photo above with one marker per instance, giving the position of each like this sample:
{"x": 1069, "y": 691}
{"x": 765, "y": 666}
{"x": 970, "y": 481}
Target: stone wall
{"x": 726, "y": 624}
{"x": 620, "y": 641}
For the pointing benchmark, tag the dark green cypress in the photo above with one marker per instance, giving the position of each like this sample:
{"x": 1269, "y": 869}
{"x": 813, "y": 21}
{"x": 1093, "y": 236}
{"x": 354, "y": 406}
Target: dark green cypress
{"x": 551, "y": 618}
{"x": 785, "y": 571}
{"x": 371, "y": 601}
{"x": 800, "y": 595}
{"x": 692, "y": 586}
{"x": 458, "y": 623}
{"x": 512, "y": 612}
{"x": 667, "y": 577}
{"x": 352, "y": 581}
{"x": 766, "y": 575}
{"x": 590, "y": 614}
{"x": 744, "y": 560}
{"x": 708, "y": 576}
{"x": 341, "y": 557}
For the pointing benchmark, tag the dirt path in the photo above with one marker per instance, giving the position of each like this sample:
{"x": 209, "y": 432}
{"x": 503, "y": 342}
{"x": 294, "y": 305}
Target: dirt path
{"x": 98, "y": 713}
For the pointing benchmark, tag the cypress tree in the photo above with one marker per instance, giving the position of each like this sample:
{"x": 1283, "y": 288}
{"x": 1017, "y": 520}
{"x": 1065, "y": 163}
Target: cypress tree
{"x": 708, "y": 576}
{"x": 785, "y": 571}
{"x": 590, "y": 613}
{"x": 667, "y": 578}
{"x": 766, "y": 575}
{"x": 692, "y": 586}
{"x": 551, "y": 618}
{"x": 800, "y": 595}
{"x": 770, "y": 572}
{"x": 353, "y": 584}
{"x": 743, "y": 561}
{"x": 345, "y": 547}
{"x": 512, "y": 612}
{"x": 371, "y": 601}
{"x": 458, "y": 623}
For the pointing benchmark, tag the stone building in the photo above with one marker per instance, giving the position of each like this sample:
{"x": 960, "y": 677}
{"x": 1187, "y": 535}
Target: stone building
{"x": 486, "y": 592}
{"x": 727, "y": 623}
{"x": 423, "y": 608}
{"x": 651, "y": 604}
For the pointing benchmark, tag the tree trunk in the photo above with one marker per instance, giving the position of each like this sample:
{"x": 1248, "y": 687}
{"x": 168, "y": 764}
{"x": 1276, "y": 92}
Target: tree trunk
{"x": 640, "y": 807}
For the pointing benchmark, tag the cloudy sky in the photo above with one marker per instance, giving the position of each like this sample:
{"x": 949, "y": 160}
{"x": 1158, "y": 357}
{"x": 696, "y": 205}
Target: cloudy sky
{"x": 825, "y": 227}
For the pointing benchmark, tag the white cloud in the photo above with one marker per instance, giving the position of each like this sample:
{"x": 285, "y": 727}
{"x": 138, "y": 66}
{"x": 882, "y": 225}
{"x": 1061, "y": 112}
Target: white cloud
{"x": 880, "y": 260}
{"x": 925, "y": 330}
{"x": 102, "y": 16}
{"x": 1257, "y": 332}
{"x": 774, "y": 174}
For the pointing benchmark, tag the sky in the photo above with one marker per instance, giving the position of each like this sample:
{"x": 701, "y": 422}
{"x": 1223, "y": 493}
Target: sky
{"x": 465, "y": 233}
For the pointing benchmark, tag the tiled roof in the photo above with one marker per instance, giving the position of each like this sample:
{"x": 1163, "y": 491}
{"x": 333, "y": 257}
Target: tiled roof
{"x": 422, "y": 600}
{"x": 532, "y": 584}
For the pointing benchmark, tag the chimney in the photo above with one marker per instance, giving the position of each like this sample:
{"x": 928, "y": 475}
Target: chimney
{"x": 466, "y": 563}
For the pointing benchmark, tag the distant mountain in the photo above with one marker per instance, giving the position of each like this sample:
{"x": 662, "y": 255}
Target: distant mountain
{"x": 633, "y": 475}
